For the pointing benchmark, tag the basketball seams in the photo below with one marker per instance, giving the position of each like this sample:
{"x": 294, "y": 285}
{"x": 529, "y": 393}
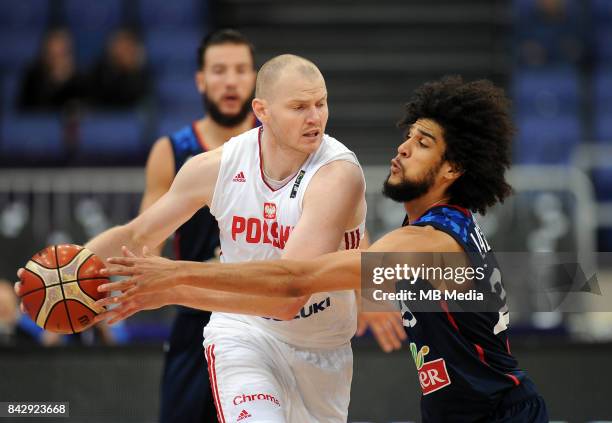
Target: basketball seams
{"x": 35, "y": 289}
{"x": 62, "y": 288}
{"x": 89, "y": 301}
{"x": 76, "y": 258}
{"x": 78, "y": 280}
{"x": 82, "y": 264}
{"x": 43, "y": 273}
{"x": 41, "y": 306}
{"x": 85, "y": 280}
{"x": 63, "y": 284}
{"x": 80, "y": 251}
{"x": 42, "y": 265}
{"x": 50, "y": 313}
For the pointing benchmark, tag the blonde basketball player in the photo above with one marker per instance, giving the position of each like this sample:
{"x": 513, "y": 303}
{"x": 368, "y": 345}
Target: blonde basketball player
{"x": 283, "y": 190}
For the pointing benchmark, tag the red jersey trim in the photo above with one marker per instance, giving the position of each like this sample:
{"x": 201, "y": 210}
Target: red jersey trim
{"x": 450, "y": 317}
{"x": 199, "y": 137}
{"x": 481, "y": 354}
{"x": 516, "y": 381}
{"x": 461, "y": 209}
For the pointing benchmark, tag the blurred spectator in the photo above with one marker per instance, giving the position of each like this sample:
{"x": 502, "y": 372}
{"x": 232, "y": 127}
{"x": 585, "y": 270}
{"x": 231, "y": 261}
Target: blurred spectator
{"x": 51, "y": 82}
{"x": 121, "y": 79}
{"x": 551, "y": 32}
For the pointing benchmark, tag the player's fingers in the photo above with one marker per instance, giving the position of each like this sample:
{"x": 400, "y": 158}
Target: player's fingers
{"x": 393, "y": 322}
{"x": 127, "y": 253}
{"x": 117, "y": 286}
{"x": 104, "y": 302}
{"x": 385, "y": 342}
{"x": 104, "y": 316}
{"x": 132, "y": 292}
{"x": 22, "y": 307}
{"x": 146, "y": 252}
{"x": 17, "y": 288}
{"x": 118, "y": 270}
{"x": 20, "y": 272}
{"x": 123, "y": 261}
{"x": 391, "y": 334}
{"x": 398, "y": 327}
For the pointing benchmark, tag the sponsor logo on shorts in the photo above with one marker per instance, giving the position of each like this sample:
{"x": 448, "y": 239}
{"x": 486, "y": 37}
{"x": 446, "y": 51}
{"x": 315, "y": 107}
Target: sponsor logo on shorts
{"x": 241, "y": 399}
{"x": 432, "y": 374}
{"x": 269, "y": 211}
{"x": 243, "y": 415}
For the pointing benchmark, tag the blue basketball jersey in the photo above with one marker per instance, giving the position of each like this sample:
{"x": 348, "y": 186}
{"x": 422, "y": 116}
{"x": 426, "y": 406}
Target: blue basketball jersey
{"x": 196, "y": 239}
{"x": 463, "y": 359}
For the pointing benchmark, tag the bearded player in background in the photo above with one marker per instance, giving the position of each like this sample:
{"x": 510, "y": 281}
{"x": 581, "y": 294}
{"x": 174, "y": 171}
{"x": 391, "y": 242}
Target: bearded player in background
{"x": 226, "y": 80}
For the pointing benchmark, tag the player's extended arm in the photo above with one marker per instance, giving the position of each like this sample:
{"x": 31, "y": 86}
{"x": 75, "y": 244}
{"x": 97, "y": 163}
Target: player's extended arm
{"x": 192, "y": 188}
{"x": 159, "y": 173}
{"x": 336, "y": 271}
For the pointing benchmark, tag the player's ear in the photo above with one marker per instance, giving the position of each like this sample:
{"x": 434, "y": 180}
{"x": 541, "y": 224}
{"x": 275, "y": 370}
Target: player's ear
{"x": 260, "y": 108}
{"x": 452, "y": 171}
{"x": 200, "y": 81}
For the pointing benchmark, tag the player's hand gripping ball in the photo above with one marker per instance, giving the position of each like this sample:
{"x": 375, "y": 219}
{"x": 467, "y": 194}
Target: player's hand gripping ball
{"x": 60, "y": 287}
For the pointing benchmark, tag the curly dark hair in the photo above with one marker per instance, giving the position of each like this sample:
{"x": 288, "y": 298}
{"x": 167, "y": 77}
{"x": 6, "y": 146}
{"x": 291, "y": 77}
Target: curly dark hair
{"x": 477, "y": 129}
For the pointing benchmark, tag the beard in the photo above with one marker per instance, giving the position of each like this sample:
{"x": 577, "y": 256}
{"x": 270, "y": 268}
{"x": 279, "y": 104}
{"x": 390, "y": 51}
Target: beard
{"x": 410, "y": 190}
{"x": 223, "y": 119}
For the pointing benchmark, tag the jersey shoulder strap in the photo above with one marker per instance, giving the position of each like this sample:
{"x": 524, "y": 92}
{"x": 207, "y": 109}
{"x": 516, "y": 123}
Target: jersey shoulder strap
{"x": 185, "y": 144}
{"x": 453, "y": 220}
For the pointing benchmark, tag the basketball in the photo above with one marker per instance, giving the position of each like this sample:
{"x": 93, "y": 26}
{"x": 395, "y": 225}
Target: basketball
{"x": 60, "y": 287}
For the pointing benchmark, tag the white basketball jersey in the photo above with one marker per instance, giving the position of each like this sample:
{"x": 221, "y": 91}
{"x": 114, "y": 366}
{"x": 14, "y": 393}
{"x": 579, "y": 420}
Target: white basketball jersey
{"x": 255, "y": 223}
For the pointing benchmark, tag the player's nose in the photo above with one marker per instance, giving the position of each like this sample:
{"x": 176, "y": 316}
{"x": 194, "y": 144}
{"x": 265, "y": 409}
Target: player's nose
{"x": 314, "y": 115}
{"x": 404, "y": 149}
{"x": 231, "y": 78}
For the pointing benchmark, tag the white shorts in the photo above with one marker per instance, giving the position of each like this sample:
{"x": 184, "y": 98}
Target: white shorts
{"x": 256, "y": 378}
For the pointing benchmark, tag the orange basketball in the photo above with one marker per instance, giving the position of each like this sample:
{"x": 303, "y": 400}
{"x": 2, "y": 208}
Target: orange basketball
{"x": 60, "y": 287}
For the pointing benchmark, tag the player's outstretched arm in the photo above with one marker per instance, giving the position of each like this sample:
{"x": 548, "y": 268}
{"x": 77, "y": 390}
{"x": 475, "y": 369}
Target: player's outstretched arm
{"x": 156, "y": 281}
{"x": 274, "y": 278}
{"x": 335, "y": 271}
{"x": 192, "y": 189}
{"x": 152, "y": 277}
{"x": 159, "y": 174}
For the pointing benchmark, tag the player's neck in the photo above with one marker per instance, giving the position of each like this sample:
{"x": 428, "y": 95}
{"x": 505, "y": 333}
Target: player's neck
{"x": 279, "y": 161}
{"x": 216, "y": 135}
{"x": 417, "y": 207}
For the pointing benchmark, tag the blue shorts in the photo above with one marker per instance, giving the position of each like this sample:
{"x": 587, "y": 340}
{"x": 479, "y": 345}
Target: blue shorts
{"x": 186, "y": 396}
{"x": 521, "y": 407}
